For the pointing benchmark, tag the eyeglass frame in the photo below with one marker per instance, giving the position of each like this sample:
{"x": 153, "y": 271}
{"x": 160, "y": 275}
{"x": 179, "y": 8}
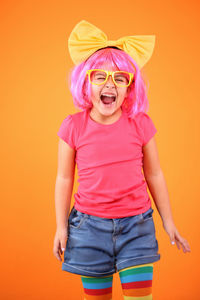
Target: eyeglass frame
{"x": 108, "y": 73}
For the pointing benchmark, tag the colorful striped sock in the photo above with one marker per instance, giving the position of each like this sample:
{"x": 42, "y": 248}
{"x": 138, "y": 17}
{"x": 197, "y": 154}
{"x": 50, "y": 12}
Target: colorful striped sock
{"x": 97, "y": 288}
{"x": 137, "y": 282}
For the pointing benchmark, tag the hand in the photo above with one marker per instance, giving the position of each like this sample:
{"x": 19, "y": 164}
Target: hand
{"x": 60, "y": 242}
{"x": 176, "y": 237}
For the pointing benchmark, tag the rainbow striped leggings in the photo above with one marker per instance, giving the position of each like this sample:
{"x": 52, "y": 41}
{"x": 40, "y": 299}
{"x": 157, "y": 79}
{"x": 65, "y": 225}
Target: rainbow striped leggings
{"x": 136, "y": 284}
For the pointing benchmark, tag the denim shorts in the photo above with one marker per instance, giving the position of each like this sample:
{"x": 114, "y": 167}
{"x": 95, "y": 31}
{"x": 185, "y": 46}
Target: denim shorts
{"x": 100, "y": 246}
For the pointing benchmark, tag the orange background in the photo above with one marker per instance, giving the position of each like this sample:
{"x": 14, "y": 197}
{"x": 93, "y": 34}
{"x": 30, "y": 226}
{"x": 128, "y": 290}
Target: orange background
{"x": 35, "y": 99}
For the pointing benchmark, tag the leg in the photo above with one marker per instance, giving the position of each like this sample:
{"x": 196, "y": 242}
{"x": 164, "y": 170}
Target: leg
{"x": 97, "y": 288}
{"x": 137, "y": 282}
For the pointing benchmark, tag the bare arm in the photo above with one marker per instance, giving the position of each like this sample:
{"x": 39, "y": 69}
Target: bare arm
{"x": 158, "y": 189}
{"x": 156, "y": 181}
{"x": 64, "y": 182}
{"x": 63, "y": 192}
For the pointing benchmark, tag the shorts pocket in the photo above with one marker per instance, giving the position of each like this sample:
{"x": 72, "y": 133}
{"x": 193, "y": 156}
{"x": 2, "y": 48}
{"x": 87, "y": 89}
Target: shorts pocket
{"x": 76, "y": 219}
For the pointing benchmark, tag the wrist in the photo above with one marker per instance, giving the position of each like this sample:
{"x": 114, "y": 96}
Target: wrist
{"x": 62, "y": 226}
{"x": 168, "y": 220}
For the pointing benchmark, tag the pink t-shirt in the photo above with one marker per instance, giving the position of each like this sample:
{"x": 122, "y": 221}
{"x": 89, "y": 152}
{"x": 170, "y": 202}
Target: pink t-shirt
{"x": 109, "y": 162}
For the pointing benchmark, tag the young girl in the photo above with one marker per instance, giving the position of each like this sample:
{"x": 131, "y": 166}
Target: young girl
{"x": 110, "y": 227}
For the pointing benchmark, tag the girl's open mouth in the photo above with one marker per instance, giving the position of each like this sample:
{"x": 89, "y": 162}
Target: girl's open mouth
{"x": 108, "y": 100}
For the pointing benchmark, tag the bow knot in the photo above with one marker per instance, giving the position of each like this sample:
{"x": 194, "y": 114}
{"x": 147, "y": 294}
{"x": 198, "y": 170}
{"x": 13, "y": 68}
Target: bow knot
{"x": 85, "y": 39}
{"x": 111, "y": 43}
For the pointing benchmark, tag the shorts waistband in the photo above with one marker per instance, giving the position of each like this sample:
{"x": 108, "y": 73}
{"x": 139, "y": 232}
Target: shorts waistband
{"x": 79, "y": 213}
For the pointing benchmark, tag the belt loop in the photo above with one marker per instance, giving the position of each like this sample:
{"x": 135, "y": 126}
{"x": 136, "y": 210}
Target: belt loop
{"x": 73, "y": 210}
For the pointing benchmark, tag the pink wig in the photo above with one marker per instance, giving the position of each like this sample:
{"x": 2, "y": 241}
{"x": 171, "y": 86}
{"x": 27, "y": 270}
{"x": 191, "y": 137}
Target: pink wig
{"x": 136, "y": 100}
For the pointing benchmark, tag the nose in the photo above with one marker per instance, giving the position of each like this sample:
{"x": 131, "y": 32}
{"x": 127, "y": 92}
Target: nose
{"x": 110, "y": 81}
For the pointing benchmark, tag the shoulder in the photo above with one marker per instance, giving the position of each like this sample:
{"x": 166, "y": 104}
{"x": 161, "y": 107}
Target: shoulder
{"x": 70, "y": 127}
{"x": 74, "y": 119}
{"x": 143, "y": 119}
{"x": 146, "y": 126}
{"x": 78, "y": 117}
{"x": 141, "y": 116}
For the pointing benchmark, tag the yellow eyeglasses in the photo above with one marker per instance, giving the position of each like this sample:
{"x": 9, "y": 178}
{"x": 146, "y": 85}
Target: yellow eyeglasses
{"x": 120, "y": 78}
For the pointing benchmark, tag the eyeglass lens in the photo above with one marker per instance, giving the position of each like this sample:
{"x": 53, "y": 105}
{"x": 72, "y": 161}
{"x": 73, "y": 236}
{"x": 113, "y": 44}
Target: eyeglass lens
{"x": 99, "y": 77}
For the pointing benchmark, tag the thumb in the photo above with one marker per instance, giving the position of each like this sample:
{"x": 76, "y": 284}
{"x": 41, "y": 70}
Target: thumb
{"x": 172, "y": 239}
{"x": 63, "y": 242}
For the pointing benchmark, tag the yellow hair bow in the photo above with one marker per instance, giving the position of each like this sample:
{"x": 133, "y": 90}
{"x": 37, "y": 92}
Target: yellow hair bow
{"x": 86, "y": 38}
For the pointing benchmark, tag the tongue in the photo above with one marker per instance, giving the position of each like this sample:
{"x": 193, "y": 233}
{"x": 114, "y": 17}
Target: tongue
{"x": 106, "y": 99}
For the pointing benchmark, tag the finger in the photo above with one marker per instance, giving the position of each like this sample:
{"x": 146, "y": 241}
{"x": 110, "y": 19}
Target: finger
{"x": 175, "y": 241}
{"x": 55, "y": 246}
{"x": 57, "y": 255}
{"x": 57, "y": 249}
{"x": 183, "y": 243}
{"x": 186, "y": 246}
{"x": 180, "y": 241}
{"x": 63, "y": 245}
{"x": 172, "y": 239}
{"x": 178, "y": 244}
{"x": 60, "y": 249}
{"x": 176, "y": 238}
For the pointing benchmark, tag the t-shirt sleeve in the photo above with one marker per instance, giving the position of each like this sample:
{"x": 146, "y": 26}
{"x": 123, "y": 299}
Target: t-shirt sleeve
{"x": 67, "y": 131}
{"x": 147, "y": 127}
